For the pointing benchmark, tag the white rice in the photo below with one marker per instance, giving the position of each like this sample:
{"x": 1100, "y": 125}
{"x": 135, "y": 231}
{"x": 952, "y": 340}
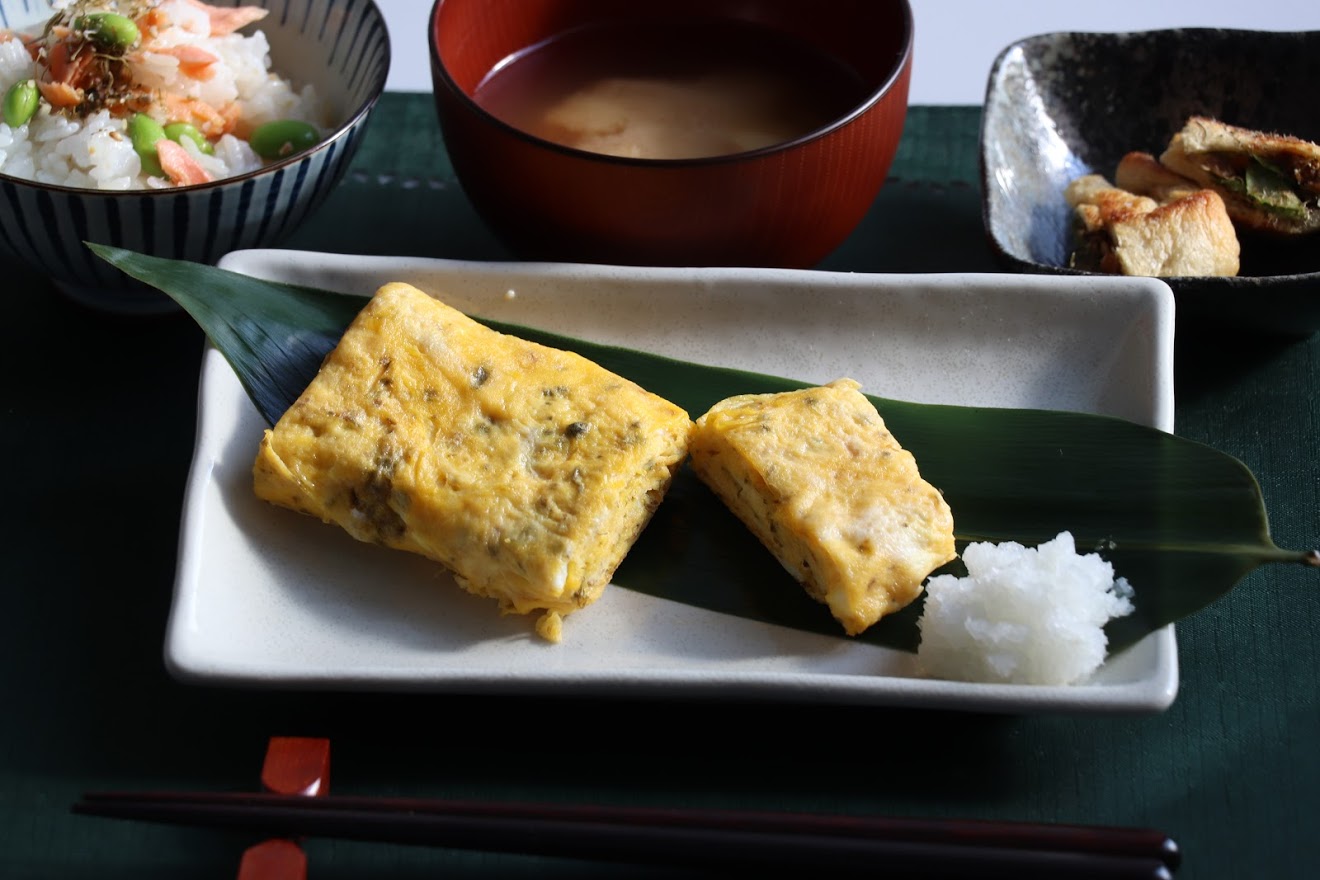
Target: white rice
{"x": 95, "y": 152}
{"x": 1022, "y": 615}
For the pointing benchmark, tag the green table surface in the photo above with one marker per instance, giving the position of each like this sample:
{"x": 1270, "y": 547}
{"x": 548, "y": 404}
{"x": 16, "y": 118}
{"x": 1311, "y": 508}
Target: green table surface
{"x": 98, "y": 423}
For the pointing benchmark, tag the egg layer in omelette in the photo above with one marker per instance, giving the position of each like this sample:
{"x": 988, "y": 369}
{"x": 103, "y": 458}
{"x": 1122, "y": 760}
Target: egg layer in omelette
{"x": 526, "y": 470}
{"x": 818, "y": 478}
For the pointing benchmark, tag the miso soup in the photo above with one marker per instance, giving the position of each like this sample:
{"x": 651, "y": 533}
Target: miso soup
{"x": 670, "y": 91}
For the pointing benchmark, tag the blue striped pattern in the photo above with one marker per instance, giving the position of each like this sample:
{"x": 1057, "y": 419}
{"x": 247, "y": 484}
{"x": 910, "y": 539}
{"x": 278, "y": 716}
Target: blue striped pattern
{"x": 339, "y": 46}
{"x": 19, "y": 15}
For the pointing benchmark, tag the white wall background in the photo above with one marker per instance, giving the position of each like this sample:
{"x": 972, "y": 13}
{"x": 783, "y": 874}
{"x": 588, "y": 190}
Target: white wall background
{"x": 957, "y": 40}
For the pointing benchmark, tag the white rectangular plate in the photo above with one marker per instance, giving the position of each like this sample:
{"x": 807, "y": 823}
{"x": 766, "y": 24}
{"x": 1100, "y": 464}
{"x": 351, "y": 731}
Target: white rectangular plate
{"x": 265, "y": 597}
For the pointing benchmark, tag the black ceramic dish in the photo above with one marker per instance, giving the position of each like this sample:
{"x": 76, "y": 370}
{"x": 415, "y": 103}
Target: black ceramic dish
{"x": 1065, "y": 104}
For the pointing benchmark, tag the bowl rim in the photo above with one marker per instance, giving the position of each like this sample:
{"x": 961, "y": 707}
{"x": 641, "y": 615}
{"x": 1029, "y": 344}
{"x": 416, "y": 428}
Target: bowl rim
{"x": 353, "y": 121}
{"x": 902, "y": 64}
{"x": 988, "y": 202}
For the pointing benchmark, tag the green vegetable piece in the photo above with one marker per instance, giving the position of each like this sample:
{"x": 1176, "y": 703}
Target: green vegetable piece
{"x": 144, "y": 132}
{"x": 177, "y": 131}
{"x": 283, "y": 137}
{"x": 21, "y": 102}
{"x": 109, "y": 30}
{"x": 1272, "y": 191}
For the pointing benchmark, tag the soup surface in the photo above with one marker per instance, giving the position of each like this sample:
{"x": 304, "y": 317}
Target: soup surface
{"x": 670, "y": 91}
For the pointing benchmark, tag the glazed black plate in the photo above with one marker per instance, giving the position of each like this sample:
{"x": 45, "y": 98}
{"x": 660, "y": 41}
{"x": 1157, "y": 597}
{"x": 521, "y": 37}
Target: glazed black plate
{"x": 1066, "y": 104}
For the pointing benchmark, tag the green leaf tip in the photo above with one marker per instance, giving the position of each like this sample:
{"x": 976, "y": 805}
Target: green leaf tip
{"x": 273, "y": 334}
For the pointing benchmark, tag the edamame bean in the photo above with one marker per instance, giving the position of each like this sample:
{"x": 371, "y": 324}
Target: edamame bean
{"x": 144, "y": 131}
{"x": 21, "y": 102}
{"x": 109, "y": 30}
{"x": 177, "y": 131}
{"x": 283, "y": 137}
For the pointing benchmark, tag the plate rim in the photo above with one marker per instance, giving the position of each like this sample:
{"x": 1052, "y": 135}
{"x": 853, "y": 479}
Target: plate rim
{"x": 1152, "y": 693}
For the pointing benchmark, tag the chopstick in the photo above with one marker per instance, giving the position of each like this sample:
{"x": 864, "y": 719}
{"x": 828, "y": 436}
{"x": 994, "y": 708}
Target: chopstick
{"x": 705, "y": 837}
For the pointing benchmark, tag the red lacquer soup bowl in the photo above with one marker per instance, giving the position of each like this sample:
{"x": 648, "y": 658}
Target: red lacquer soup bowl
{"x": 690, "y": 132}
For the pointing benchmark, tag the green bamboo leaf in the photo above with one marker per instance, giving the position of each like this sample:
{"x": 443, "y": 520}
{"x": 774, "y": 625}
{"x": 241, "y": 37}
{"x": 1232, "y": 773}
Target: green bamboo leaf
{"x": 1181, "y": 521}
{"x": 274, "y": 335}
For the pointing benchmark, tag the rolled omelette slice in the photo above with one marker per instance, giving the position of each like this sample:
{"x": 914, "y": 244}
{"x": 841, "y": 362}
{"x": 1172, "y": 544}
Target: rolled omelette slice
{"x": 818, "y": 478}
{"x": 527, "y": 471}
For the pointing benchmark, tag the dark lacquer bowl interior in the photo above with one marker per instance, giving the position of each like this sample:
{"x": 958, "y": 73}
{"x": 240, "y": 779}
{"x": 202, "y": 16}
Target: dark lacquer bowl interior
{"x": 786, "y": 205}
{"x": 1066, "y": 104}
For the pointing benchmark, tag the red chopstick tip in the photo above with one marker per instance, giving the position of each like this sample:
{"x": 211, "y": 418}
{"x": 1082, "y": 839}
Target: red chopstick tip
{"x": 276, "y": 859}
{"x": 297, "y": 765}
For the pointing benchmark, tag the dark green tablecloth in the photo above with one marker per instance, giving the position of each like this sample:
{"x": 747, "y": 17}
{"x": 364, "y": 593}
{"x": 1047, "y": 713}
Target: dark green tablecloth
{"x": 98, "y": 426}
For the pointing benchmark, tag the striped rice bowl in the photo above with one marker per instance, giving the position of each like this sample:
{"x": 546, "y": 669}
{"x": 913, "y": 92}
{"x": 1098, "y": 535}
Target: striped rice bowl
{"x": 70, "y": 177}
{"x": 73, "y": 147}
